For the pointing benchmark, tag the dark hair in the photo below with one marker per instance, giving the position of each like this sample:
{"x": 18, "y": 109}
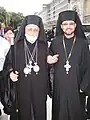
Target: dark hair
{"x": 0, "y": 26}
{"x": 6, "y": 29}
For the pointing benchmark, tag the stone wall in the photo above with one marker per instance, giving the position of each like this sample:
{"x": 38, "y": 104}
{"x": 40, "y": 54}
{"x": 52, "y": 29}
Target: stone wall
{"x": 87, "y": 11}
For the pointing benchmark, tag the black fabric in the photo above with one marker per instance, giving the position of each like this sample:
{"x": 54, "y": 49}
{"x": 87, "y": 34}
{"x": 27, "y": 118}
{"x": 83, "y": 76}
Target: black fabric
{"x": 88, "y": 107}
{"x": 67, "y": 15}
{"x": 68, "y": 44}
{"x": 32, "y": 89}
{"x": 7, "y": 92}
{"x": 8, "y": 97}
{"x": 50, "y": 81}
{"x": 8, "y": 88}
{"x": 70, "y": 15}
{"x": 66, "y": 88}
{"x": 83, "y": 104}
{"x": 1, "y": 76}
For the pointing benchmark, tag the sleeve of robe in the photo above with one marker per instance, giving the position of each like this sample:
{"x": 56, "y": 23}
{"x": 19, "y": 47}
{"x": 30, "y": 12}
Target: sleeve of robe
{"x": 9, "y": 87}
{"x": 85, "y": 69}
{"x": 51, "y": 71}
{"x": 4, "y": 80}
{"x": 51, "y": 48}
{"x": 8, "y": 62}
{"x": 5, "y": 73}
{"x": 49, "y": 92}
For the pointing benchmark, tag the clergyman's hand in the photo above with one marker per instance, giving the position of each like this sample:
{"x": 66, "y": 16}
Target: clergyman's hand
{"x": 14, "y": 76}
{"x": 52, "y": 59}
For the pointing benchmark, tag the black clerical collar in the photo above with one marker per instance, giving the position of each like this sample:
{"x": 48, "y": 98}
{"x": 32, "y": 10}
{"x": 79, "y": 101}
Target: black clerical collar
{"x": 72, "y": 38}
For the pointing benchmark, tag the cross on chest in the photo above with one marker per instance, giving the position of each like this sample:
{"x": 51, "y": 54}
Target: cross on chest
{"x": 67, "y": 66}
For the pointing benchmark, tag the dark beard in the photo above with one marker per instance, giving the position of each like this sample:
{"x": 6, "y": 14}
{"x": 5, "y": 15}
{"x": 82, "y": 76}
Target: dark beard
{"x": 70, "y": 33}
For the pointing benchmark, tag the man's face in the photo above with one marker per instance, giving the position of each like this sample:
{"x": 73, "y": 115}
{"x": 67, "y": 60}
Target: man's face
{"x": 32, "y": 30}
{"x": 68, "y": 27}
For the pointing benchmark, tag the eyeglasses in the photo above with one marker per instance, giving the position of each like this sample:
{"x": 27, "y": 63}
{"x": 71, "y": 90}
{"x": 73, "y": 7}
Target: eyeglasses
{"x": 66, "y": 24}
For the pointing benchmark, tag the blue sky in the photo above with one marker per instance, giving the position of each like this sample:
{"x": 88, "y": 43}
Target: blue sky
{"x": 24, "y": 6}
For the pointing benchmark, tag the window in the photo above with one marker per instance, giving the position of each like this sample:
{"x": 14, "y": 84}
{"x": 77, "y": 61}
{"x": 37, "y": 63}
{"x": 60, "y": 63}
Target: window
{"x": 86, "y": 28}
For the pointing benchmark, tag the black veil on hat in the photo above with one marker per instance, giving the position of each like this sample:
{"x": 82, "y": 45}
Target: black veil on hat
{"x": 70, "y": 15}
{"x": 31, "y": 19}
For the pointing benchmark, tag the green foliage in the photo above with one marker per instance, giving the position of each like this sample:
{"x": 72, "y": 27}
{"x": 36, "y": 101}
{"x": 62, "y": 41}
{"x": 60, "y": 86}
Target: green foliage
{"x": 11, "y": 18}
{"x": 2, "y": 15}
{"x": 16, "y": 19}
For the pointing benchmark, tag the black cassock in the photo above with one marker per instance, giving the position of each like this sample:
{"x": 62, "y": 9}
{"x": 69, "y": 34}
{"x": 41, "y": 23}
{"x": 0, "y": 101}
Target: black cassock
{"x": 31, "y": 90}
{"x": 66, "y": 87}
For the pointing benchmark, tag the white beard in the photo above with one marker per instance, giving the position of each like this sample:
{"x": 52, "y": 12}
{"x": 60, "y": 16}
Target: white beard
{"x": 31, "y": 39}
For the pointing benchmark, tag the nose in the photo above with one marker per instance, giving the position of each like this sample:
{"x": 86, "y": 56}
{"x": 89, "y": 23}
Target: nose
{"x": 68, "y": 25}
{"x": 32, "y": 32}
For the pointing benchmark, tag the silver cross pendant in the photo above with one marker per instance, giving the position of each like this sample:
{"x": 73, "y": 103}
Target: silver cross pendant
{"x": 67, "y": 66}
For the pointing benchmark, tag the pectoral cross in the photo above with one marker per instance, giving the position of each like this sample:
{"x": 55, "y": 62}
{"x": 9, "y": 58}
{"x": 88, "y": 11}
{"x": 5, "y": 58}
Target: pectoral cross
{"x": 67, "y": 66}
{"x": 30, "y": 66}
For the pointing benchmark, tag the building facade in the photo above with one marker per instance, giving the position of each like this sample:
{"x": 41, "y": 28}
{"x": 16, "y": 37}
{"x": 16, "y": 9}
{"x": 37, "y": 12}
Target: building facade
{"x": 86, "y": 11}
{"x": 83, "y": 9}
{"x": 50, "y": 11}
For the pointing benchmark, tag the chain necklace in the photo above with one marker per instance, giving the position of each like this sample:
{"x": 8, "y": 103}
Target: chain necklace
{"x": 67, "y": 66}
{"x": 29, "y": 59}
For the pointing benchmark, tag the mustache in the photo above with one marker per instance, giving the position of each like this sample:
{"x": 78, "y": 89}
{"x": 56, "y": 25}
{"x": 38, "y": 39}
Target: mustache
{"x": 69, "y": 29}
{"x": 69, "y": 33}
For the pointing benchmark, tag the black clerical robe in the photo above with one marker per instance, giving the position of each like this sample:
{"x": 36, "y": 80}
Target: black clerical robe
{"x": 66, "y": 87}
{"x": 31, "y": 90}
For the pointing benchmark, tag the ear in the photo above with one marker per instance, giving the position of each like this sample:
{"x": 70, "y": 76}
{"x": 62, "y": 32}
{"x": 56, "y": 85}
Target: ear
{"x": 75, "y": 25}
{"x": 61, "y": 26}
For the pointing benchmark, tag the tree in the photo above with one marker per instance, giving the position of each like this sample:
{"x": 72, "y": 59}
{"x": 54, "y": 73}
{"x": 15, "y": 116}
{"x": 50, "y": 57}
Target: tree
{"x": 16, "y": 19}
{"x": 3, "y": 15}
{"x": 11, "y": 18}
